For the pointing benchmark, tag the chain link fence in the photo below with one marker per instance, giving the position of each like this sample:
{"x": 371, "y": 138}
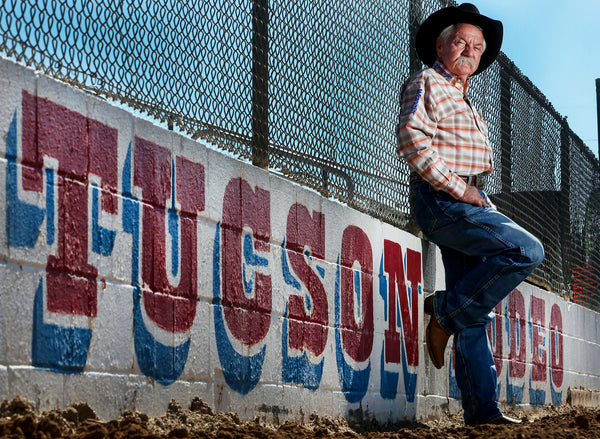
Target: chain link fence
{"x": 310, "y": 89}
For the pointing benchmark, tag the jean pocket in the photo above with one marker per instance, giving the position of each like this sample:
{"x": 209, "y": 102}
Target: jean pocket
{"x": 451, "y": 208}
{"x": 424, "y": 215}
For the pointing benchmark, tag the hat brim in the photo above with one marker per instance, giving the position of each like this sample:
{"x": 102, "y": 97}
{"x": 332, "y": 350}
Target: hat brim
{"x": 430, "y": 30}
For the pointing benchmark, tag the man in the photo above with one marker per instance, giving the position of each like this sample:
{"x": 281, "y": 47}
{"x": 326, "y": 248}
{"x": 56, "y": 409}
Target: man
{"x": 445, "y": 142}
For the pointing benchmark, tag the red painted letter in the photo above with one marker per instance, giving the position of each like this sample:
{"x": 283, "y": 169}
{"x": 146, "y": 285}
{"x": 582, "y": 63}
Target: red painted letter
{"x": 248, "y": 313}
{"x": 518, "y": 347}
{"x": 409, "y": 309}
{"x": 538, "y": 368}
{"x": 307, "y": 328}
{"x": 556, "y": 343}
{"x": 80, "y": 146}
{"x": 171, "y": 307}
{"x": 357, "y": 331}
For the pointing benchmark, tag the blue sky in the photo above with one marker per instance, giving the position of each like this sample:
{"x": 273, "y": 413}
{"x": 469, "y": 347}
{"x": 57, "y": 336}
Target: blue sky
{"x": 555, "y": 43}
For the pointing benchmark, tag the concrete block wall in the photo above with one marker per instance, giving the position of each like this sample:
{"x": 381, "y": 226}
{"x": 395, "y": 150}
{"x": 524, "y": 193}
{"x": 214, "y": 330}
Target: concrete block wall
{"x": 138, "y": 266}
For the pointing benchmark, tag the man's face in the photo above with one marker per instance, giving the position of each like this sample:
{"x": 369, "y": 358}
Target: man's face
{"x": 462, "y": 51}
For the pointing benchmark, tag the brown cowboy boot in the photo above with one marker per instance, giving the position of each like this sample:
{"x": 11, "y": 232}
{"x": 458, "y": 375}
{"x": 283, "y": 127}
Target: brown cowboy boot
{"x": 436, "y": 339}
{"x": 428, "y": 305}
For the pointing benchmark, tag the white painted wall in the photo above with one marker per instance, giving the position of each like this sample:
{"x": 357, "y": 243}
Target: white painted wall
{"x": 118, "y": 349}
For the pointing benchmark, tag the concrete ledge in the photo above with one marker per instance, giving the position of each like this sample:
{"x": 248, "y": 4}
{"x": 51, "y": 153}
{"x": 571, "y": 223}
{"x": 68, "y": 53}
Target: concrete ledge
{"x": 583, "y": 397}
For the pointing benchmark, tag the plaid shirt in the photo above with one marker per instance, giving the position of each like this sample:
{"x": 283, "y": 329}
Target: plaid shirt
{"x": 440, "y": 135}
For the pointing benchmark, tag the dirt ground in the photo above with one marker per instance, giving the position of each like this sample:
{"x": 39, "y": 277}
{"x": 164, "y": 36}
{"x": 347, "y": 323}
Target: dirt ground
{"x": 18, "y": 419}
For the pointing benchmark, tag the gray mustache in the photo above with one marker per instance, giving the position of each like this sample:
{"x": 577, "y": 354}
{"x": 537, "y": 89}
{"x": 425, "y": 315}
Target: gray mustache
{"x": 465, "y": 60}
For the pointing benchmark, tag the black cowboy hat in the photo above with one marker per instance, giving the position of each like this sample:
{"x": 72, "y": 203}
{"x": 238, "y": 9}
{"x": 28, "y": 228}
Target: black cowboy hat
{"x": 466, "y": 13}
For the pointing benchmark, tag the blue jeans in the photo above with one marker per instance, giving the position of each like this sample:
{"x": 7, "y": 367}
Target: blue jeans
{"x": 486, "y": 255}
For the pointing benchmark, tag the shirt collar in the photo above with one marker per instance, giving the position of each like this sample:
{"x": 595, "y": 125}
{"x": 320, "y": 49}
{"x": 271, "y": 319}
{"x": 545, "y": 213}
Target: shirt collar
{"x": 453, "y": 79}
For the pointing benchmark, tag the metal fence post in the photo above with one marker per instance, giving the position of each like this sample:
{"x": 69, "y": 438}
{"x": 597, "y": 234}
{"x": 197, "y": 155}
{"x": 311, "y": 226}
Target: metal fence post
{"x": 598, "y": 109}
{"x": 564, "y": 207}
{"x": 505, "y": 134}
{"x": 260, "y": 83}
{"x": 414, "y": 21}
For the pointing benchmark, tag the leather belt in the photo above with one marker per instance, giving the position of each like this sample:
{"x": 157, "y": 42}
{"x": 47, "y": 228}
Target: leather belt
{"x": 471, "y": 180}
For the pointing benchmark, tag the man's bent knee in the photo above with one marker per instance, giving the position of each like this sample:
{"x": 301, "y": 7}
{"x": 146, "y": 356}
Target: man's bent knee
{"x": 534, "y": 252}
